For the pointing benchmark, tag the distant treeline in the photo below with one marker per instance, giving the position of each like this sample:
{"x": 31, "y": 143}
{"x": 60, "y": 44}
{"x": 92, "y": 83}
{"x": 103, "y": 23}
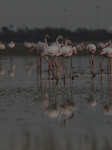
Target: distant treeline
{"x": 35, "y": 35}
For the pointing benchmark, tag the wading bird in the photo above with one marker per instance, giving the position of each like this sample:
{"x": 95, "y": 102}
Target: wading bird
{"x": 11, "y": 44}
{"x": 54, "y": 51}
{"x": 91, "y": 48}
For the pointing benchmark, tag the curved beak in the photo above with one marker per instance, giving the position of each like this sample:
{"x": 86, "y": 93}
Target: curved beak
{"x": 31, "y": 50}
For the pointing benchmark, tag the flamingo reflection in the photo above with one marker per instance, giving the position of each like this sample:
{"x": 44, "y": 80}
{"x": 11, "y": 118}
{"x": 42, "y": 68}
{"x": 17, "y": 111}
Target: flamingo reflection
{"x": 107, "y": 108}
{"x": 68, "y": 106}
{"x": 91, "y": 99}
{"x": 2, "y": 71}
{"x": 29, "y": 66}
{"x": 53, "y": 109}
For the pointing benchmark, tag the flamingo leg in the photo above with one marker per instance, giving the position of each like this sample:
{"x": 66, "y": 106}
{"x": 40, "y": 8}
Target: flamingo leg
{"x": 101, "y": 64}
{"x": 92, "y": 70}
{"x": 111, "y": 72}
{"x": 63, "y": 67}
{"x": 56, "y": 62}
{"x": 62, "y": 61}
{"x": 0, "y": 55}
{"x": 50, "y": 68}
{"x": 89, "y": 59}
{"x": 108, "y": 64}
{"x": 71, "y": 68}
{"x": 79, "y": 61}
{"x": 40, "y": 67}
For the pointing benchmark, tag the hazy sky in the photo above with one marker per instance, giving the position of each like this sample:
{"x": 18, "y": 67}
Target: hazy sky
{"x": 50, "y": 13}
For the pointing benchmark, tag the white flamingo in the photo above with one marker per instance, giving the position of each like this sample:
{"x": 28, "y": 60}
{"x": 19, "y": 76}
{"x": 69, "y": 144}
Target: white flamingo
{"x": 53, "y": 51}
{"x": 91, "y": 48}
{"x": 102, "y": 46}
{"x": 2, "y": 47}
{"x": 11, "y": 44}
{"x": 27, "y": 44}
{"x": 80, "y": 47}
{"x": 40, "y": 46}
{"x": 107, "y": 52}
{"x": 67, "y": 51}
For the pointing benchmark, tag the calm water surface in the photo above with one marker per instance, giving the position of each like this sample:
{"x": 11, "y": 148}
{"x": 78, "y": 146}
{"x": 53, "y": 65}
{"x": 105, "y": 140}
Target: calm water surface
{"x": 38, "y": 113}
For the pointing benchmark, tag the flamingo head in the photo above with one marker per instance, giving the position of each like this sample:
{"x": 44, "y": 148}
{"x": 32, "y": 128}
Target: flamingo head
{"x": 69, "y": 42}
{"x": 32, "y": 50}
{"x": 61, "y": 38}
{"x": 47, "y": 36}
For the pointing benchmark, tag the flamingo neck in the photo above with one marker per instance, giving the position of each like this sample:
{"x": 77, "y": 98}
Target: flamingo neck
{"x": 58, "y": 45}
{"x": 83, "y": 45}
{"x": 45, "y": 40}
{"x": 66, "y": 43}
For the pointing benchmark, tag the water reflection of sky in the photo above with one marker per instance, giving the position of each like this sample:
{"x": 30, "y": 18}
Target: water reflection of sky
{"x": 39, "y": 114}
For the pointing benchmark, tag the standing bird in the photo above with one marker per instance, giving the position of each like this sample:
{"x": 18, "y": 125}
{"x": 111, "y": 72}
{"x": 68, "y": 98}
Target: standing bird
{"x": 2, "y": 47}
{"x": 91, "y": 48}
{"x": 67, "y": 51}
{"x": 27, "y": 44}
{"x": 107, "y": 52}
{"x": 39, "y": 48}
{"x": 80, "y": 47}
{"x": 53, "y": 51}
{"x": 102, "y": 46}
{"x": 11, "y": 44}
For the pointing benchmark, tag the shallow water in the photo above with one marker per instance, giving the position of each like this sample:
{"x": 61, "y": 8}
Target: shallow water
{"x": 38, "y": 113}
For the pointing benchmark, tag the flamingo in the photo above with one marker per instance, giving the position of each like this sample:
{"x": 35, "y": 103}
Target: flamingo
{"x": 2, "y": 47}
{"x": 107, "y": 52}
{"x": 53, "y": 51}
{"x": 102, "y": 46}
{"x": 91, "y": 48}
{"x": 39, "y": 48}
{"x": 80, "y": 47}
{"x": 67, "y": 51}
{"x": 27, "y": 44}
{"x": 11, "y": 44}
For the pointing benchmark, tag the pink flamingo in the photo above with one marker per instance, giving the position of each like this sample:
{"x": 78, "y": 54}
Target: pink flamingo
{"x": 2, "y": 47}
{"x": 102, "y": 46}
{"x": 53, "y": 51}
{"x": 27, "y": 44}
{"x": 11, "y": 44}
{"x": 67, "y": 51}
{"x": 80, "y": 47}
{"x": 91, "y": 48}
{"x": 107, "y": 52}
{"x": 39, "y": 48}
